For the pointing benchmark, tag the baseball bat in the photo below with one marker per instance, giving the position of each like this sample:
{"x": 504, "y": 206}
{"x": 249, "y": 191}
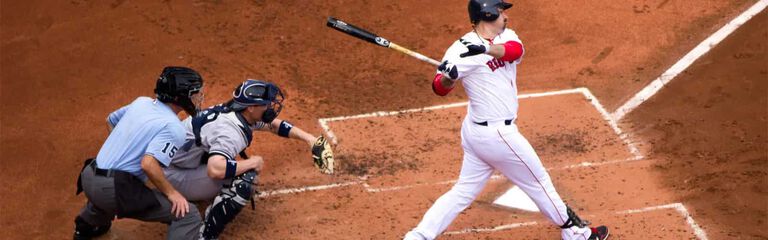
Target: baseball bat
{"x": 360, "y": 33}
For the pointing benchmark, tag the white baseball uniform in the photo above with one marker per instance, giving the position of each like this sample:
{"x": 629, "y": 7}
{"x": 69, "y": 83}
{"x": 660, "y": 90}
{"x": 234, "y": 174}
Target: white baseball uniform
{"x": 491, "y": 140}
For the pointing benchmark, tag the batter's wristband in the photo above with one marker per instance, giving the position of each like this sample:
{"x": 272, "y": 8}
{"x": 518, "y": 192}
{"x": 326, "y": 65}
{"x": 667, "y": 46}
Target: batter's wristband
{"x": 437, "y": 86}
{"x": 285, "y": 129}
{"x": 231, "y": 169}
{"x": 512, "y": 51}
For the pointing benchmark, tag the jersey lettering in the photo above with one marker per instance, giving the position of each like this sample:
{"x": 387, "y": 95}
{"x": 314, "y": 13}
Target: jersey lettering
{"x": 495, "y": 63}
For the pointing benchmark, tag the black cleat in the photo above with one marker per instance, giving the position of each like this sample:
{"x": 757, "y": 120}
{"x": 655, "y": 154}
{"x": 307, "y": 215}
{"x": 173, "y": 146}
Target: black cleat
{"x": 599, "y": 233}
{"x": 84, "y": 231}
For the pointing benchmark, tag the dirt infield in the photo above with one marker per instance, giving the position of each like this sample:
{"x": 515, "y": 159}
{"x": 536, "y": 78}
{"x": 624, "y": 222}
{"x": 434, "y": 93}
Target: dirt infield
{"x": 709, "y": 129}
{"x": 66, "y": 64}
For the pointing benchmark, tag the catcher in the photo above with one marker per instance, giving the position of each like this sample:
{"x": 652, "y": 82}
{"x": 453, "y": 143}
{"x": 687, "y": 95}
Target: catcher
{"x": 205, "y": 168}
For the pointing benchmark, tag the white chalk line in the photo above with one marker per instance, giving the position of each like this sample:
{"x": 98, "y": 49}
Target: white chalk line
{"x": 583, "y": 91}
{"x": 305, "y": 189}
{"x": 396, "y": 188}
{"x": 612, "y": 123}
{"x": 698, "y": 51}
{"x": 493, "y": 229}
{"x": 496, "y": 177}
{"x": 444, "y": 106}
{"x": 679, "y": 207}
{"x": 324, "y": 121}
{"x": 371, "y": 189}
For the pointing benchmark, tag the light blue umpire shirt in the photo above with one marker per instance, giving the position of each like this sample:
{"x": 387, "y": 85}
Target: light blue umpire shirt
{"x": 144, "y": 127}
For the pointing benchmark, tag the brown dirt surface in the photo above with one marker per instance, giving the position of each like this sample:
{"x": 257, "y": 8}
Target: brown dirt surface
{"x": 65, "y": 65}
{"x": 710, "y": 127}
{"x": 426, "y": 141}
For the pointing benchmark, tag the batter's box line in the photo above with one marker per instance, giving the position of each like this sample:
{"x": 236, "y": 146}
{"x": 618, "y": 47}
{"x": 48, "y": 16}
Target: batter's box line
{"x": 626, "y": 138}
{"x": 368, "y": 188}
{"x": 496, "y": 177}
{"x": 305, "y": 189}
{"x": 678, "y": 207}
{"x": 584, "y": 91}
{"x": 687, "y": 60}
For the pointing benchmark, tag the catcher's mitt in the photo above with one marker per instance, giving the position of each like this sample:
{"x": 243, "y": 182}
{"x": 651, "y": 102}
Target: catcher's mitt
{"x": 322, "y": 154}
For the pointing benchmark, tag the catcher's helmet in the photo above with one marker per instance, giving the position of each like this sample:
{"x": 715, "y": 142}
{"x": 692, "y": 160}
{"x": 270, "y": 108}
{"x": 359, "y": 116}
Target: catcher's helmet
{"x": 486, "y": 10}
{"x": 177, "y": 85}
{"x": 257, "y": 92}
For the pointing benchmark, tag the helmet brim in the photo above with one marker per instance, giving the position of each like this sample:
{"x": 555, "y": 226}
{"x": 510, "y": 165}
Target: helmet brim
{"x": 505, "y": 5}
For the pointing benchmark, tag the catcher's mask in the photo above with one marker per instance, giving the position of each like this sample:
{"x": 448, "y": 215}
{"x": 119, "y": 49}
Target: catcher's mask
{"x": 486, "y": 10}
{"x": 258, "y": 93}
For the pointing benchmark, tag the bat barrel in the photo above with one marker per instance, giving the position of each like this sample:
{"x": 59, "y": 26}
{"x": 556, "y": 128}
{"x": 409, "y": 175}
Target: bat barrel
{"x": 355, "y": 31}
{"x": 360, "y": 33}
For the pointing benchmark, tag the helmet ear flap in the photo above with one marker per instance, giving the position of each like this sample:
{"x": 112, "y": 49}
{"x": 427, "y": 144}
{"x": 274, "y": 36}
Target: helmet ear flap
{"x": 164, "y": 87}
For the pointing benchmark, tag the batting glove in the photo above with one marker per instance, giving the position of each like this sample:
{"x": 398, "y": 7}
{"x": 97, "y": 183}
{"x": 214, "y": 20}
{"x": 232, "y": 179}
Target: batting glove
{"x": 474, "y": 48}
{"x": 448, "y": 70}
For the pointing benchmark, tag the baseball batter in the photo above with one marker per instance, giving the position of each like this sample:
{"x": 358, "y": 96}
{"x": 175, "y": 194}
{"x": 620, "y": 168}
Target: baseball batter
{"x": 205, "y": 168}
{"x": 486, "y": 61}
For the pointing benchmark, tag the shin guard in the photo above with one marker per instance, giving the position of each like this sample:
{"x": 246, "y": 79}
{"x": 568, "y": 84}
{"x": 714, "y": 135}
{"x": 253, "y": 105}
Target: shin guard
{"x": 228, "y": 204}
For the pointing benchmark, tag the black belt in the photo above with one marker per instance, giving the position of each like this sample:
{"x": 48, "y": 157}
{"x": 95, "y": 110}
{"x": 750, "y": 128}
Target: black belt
{"x": 506, "y": 122}
{"x": 102, "y": 172}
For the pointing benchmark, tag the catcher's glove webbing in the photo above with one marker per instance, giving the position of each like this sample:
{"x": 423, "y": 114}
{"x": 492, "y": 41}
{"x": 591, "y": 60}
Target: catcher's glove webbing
{"x": 322, "y": 154}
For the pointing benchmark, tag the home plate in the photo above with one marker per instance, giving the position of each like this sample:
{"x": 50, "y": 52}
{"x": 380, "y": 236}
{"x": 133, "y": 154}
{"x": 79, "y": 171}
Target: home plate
{"x": 516, "y": 198}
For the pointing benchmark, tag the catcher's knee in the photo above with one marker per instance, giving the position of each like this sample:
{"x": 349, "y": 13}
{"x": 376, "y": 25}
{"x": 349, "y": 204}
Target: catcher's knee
{"x": 244, "y": 184}
{"x": 228, "y": 204}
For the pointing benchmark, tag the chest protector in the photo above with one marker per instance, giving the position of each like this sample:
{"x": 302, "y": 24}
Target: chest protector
{"x": 211, "y": 114}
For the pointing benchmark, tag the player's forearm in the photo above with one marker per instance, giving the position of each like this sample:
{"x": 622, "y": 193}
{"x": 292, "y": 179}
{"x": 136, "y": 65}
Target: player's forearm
{"x": 497, "y": 50}
{"x": 155, "y": 174}
{"x": 274, "y": 126}
{"x": 293, "y": 132}
{"x": 217, "y": 167}
{"x": 245, "y": 165}
{"x": 441, "y": 85}
{"x": 447, "y": 82}
{"x": 297, "y": 133}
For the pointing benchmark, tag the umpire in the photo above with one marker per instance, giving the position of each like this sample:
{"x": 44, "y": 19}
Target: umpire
{"x": 144, "y": 137}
